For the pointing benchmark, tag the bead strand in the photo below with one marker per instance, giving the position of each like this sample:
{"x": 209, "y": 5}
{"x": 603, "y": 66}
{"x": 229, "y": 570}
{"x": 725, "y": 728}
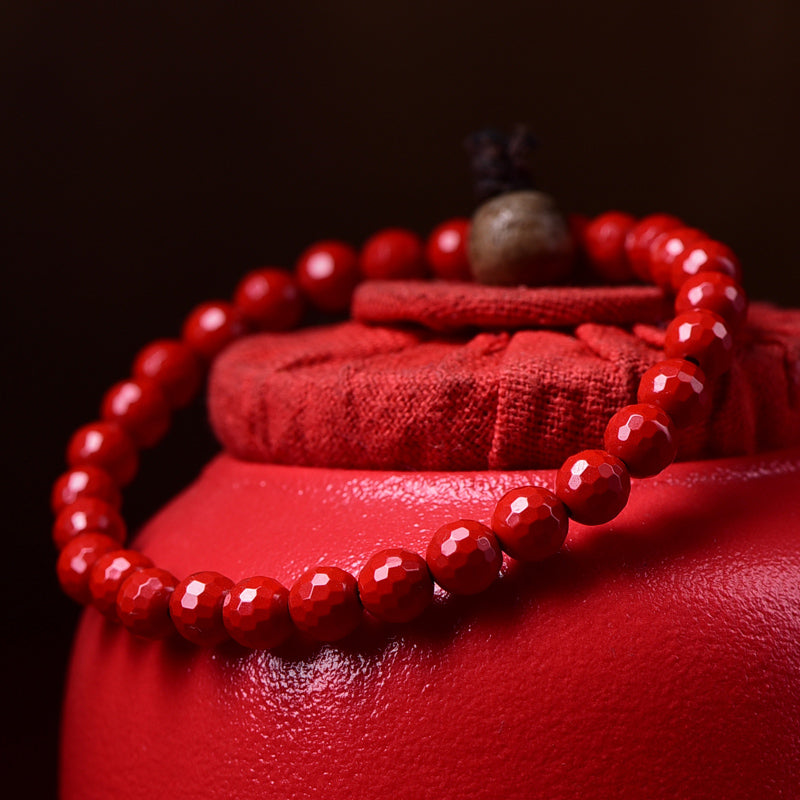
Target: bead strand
{"x": 528, "y": 523}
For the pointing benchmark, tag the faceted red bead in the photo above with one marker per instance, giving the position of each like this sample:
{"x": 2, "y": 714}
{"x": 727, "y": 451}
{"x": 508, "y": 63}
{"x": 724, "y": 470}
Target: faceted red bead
{"x": 701, "y": 336}
{"x": 140, "y": 408}
{"x": 393, "y": 254}
{"x": 328, "y": 274}
{"x": 255, "y": 613}
{"x": 604, "y": 243}
{"x": 88, "y": 514}
{"x": 196, "y": 608}
{"x": 678, "y": 387}
{"x": 75, "y": 562}
{"x": 643, "y": 437}
{"x": 665, "y": 249}
{"x": 143, "y": 602}
{"x": 324, "y": 603}
{"x": 641, "y": 236}
{"x": 174, "y": 367}
{"x": 531, "y": 523}
{"x": 715, "y": 292}
{"x": 395, "y": 585}
{"x": 464, "y": 557}
{"x": 107, "y": 575}
{"x": 211, "y": 327}
{"x": 86, "y": 481}
{"x": 270, "y": 299}
{"x": 594, "y": 486}
{"x": 704, "y": 256}
{"x": 446, "y": 250}
{"x": 107, "y": 446}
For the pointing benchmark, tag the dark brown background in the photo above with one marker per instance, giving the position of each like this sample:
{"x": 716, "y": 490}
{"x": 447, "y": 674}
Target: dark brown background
{"x": 154, "y": 153}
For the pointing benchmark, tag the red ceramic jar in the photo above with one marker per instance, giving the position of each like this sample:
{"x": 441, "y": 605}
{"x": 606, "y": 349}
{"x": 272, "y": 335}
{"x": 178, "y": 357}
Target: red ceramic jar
{"x": 665, "y": 632}
{"x": 655, "y": 655}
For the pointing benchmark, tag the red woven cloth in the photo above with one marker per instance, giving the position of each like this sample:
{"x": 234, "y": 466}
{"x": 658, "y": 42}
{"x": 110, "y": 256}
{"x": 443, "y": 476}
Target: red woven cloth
{"x": 453, "y": 377}
{"x": 444, "y": 306}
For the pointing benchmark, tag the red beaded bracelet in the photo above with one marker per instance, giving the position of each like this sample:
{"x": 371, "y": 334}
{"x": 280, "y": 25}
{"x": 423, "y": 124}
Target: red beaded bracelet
{"x": 464, "y": 556}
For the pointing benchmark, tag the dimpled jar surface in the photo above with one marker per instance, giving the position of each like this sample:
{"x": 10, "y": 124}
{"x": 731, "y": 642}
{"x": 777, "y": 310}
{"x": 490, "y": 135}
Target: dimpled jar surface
{"x": 655, "y": 656}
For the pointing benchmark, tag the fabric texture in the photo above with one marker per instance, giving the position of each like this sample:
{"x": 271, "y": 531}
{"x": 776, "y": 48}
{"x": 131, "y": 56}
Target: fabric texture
{"x": 435, "y": 376}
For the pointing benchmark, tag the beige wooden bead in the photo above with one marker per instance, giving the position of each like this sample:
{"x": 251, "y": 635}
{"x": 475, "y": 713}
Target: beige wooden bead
{"x": 520, "y": 238}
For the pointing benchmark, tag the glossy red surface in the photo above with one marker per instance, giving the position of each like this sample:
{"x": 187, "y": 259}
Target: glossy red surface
{"x": 446, "y": 251}
{"x": 196, "y": 608}
{"x": 395, "y": 585}
{"x": 256, "y": 613}
{"x": 143, "y": 602}
{"x": 530, "y": 522}
{"x": 715, "y": 292}
{"x": 75, "y": 563}
{"x": 109, "y": 573}
{"x": 655, "y": 657}
{"x": 665, "y": 249}
{"x": 393, "y": 254}
{"x": 594, "y": 486}
{"x": 140, "y": 408}
{"x": 328, "y": 273}
{"x": 86, "y": 481}
{"x": 88, "y": 514}
{"x": 464, "y": 557}
{"x": 174, "y": 367}
{"x": 704, "y": 256}
{"x": 642, "y": 436}
{"x": 107, "y": 446}
{"x": 323, "y": 603}
{"x": 641, "y": 236}
{"x": 270, "y": 299}
{"x": 211, "y": 327}
{"x": 604, "y": 242}
{"x": 680, "y": 388}
{"x": 703, "y": 337}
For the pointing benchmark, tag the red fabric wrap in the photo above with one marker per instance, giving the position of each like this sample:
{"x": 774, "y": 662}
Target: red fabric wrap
{"x": 388, "y": 396}
{"x": 451, "y": 306}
